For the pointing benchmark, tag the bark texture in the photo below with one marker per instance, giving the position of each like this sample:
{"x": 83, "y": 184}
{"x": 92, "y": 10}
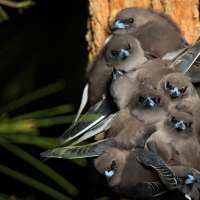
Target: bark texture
{"x": 102, "y": 14}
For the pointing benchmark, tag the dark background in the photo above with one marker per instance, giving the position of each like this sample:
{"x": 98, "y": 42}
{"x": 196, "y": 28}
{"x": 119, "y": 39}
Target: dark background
{"x": 45, "y": 44}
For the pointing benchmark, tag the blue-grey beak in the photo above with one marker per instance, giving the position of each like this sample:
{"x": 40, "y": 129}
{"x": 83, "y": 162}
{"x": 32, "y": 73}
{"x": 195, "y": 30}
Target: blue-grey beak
{"x": 123, "y": 53}
{"x": 108, "y": 174}
{"x": 175, "y": 92}
{"x": 148, "y": 102}
{"x": 180, "y": 125}
{"x": 118, "y": 25}
{"x": 191, "y": 179}
{"x": 116, "y": 74}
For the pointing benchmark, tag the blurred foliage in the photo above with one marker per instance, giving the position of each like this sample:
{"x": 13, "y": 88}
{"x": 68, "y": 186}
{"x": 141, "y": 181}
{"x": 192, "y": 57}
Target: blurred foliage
{"x": 38, "y": 48}
{"x": 23, "y": 129}
{"x": 13, "y": 4}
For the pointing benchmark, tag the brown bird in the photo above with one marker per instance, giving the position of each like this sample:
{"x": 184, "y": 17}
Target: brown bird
{"x": 128, "y": 84}
{"x": 142, "y": 79}
{"x": 157, "y": 34}
{"x": 177, "y": 140}
{"x": 139, "y": 174}
{"x": 177, "y": 87}
{"x": 132, "y": 125}
{"x": 127, "y": 129}
{"x": 121, "y": 52}
{"x": 148, "y": 76}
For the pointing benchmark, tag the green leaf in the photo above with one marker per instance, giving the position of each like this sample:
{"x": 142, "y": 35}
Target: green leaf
{"x": 3, "y": 15}
{"x": 33, "y": 183}
{"x": 49, "y": 112}
{"x": 33, "y": 96}
{"x": 40, "y": 166}
{"x": 42, "y": 142}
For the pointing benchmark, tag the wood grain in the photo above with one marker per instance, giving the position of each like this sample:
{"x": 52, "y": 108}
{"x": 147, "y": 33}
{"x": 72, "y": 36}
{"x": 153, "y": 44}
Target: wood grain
{"x": 102, "y": 14}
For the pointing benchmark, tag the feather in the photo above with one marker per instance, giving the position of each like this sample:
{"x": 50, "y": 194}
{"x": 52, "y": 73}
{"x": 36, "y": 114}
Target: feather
{"x": 84, "y": 151}
{"x": 101, "y": 109}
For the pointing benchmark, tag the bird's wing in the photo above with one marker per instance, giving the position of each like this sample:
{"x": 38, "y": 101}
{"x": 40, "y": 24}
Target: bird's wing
{"x": 94, "y": 115}
{"x": 84, "y": 100}
{"x": 151, "y": 159}
{"x": 84, "y": 151}
{"x": 102, "y": 126}
{"x": 148, "y": 190}
{"x": 186, "y": 60}
{"x": 174, "y": 54}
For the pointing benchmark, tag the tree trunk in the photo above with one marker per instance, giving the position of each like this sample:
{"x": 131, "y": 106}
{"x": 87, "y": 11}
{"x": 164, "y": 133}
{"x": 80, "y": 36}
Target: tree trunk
{"x": 102, "y": 14}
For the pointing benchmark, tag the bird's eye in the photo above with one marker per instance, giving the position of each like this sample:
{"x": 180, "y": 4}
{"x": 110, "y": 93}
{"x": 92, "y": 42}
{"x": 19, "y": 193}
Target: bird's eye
{"x": 169, "y": 86}
{"x": 113, "y": 165}
{"x": 174, "y": 120}
{"x": 157, "y": 100}
{"x": 188, "y": 125}
{"x": 128, "y": 47}
{"x": 141, "y": 99}
{"x": 131, "y": 20}
{"x": 183, "y": 90}
{"x": 114, "y": 53}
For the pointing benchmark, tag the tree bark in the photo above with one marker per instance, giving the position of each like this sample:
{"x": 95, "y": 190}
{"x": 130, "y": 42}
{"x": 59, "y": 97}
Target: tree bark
{"x": 102, "y": 14}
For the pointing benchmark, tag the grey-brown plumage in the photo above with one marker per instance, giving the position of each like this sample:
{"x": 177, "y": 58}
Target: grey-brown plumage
{"x": 191, "y": 106}
{"x": 131, "y": 126}
{"x": 121, "y": 52}
{"x": 124, "y": 52}
{"x": 147, "y": 77}
{"x": 194, "y": 74}
{"x": 127, "y": 129}
{"x": 192, "y": 189}
{"x": 94, "y": 115}
{"x": 156, "y": 35}
{"x": 71, "y": 152}
{"x": 177, "y": 87}
{"x": 177, "y": 140}
{"x": 123, "y": 179}
{"x": 136, "y": 174}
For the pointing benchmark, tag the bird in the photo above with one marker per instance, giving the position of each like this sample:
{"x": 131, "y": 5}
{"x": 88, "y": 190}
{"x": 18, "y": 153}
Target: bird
{"x": 176, "y": 140}
{"x": 128, "y": 84}
{"x": 72, "y": 152}
{"x": 125, "y": 85}
{"x": 121, "y": 52}
{"x": 184, "y": 171}
{"x": 177, "y": 87}
{"x": 157, "y": 34}
{"x": 95, "y": 114}
{"x": 194, "y": 74}
{"x": 99, "y": 75}
{"x": 81, "y": 127}
{"x": 132, "y": 125}
{"x": 191, "y": 106}
{"x": 139, "y": 174}
{"x": 97, "y": 71}
{"x": 128, "y": 128}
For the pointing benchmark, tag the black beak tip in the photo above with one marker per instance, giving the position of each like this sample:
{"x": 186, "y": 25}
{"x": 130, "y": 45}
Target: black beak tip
{"x": 113, "y": 28}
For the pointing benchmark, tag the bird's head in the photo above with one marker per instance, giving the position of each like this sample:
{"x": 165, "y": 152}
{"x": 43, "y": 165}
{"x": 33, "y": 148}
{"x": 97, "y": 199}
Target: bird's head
{"x": 177, "y": 87}
{"x": 149, "y": 105}
{"x": 109, "y": 166}
{"x": 129, "y": 20}
{"x": 124, "y": 53}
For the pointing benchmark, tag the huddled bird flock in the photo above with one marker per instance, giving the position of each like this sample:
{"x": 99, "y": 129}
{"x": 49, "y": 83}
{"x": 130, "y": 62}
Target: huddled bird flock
{"x": 141, "y": 86}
